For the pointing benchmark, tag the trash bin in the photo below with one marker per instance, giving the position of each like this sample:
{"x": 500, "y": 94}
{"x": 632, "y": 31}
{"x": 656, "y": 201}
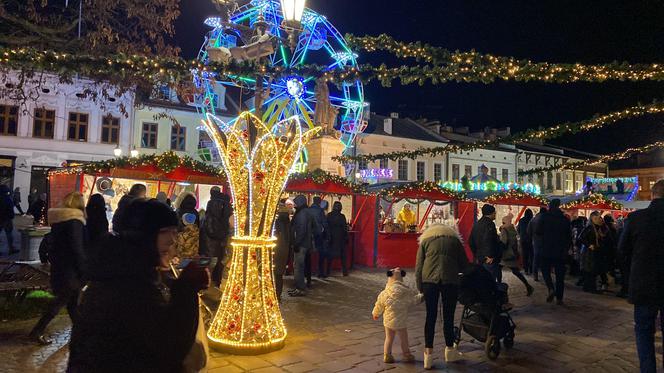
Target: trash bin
{"x": 30, "y": 240}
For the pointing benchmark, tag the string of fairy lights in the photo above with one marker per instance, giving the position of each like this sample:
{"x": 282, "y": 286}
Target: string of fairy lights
{"x": 534, "y": 135}
{"x": 575, "y": 165}
{"x": 445, "y": 66}
{"x": 474, "y": 66}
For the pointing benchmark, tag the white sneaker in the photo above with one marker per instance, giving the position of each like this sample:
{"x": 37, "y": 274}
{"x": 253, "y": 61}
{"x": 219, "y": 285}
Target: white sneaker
{"x": 428, "y": 360}
{"x": 452, "y": 354}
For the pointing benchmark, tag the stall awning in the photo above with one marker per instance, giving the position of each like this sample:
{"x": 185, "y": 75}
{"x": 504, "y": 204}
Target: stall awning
{"x": 322, "y": 182}
{"x": 594, "y": 201}
{"x": 511, "y": 197}
{"x": 415, "y": 190}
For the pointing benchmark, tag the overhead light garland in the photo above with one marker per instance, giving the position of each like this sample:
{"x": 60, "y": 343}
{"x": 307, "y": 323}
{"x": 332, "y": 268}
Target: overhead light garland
{"x": 455, "y": 67}
{"x": 477, "y": 67}
{"x": 598, "y": 121}
{"x": 575, "y": 165}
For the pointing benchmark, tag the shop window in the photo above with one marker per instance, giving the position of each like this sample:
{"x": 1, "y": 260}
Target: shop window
{"x": 384, "y": 164}
{"x": 506, "y": 175}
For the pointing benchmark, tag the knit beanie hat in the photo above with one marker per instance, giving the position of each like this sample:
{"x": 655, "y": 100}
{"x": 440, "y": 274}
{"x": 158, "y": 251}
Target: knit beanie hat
{"x": 147, "y": 217}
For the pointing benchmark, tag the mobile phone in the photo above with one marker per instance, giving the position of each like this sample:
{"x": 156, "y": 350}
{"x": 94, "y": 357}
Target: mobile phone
{"x": 202, "y": 262}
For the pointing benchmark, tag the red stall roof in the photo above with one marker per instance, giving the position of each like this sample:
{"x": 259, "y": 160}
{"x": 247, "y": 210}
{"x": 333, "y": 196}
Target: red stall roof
{"x": 322, "y": 182}
{"x": 594, "y": 201}
{"x": 419, "y": 190}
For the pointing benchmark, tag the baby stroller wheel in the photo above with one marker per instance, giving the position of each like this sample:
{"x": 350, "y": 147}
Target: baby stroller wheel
{"x": 457, "y": 335}
{"x": 492, "y": 347}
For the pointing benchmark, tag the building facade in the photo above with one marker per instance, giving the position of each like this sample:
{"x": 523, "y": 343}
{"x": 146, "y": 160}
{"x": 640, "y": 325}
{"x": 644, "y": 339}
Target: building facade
{"x": 648, "y": 167}
{"x": 59, "y": 125}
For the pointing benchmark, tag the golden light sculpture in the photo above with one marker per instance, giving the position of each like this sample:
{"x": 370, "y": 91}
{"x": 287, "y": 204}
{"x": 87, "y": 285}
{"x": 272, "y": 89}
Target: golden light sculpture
{"x": 257, "y": 160}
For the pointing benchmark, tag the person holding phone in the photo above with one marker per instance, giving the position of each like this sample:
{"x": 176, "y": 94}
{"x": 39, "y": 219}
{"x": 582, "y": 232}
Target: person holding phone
{"x": 130, "y": 320}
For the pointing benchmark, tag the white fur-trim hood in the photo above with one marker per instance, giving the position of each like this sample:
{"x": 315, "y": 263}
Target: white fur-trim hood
{"x": 438, "y": 230}
{"x": 61, "y": 214}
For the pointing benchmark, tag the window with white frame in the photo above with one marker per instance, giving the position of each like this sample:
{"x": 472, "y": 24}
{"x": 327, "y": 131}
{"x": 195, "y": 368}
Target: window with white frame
{"x": 178, "y": 138}
{"x": 421, "y": 167}
{"x": 468, "y": 171}
{"x": 437, "y": 172}
{"x": 383, "y": 164}
{"x": 456, "y": 172}
{"x": 506, "y": 175}
{"x": 362, "y": 164}
{"x": 402, "y": 169}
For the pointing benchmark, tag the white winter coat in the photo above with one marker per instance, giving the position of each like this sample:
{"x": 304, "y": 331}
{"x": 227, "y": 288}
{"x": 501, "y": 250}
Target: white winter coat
{"x": 394, "y": 302}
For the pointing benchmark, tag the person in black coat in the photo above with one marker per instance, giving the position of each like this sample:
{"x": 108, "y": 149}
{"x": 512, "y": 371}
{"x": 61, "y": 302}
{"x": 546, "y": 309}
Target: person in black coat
{"x": 16, "y": 199}
{"x": 136, "y": 191}
{"x": 552, "y": 239}
{"x": 338, "y": 234}
{"x": 67, "y": 257}
{"x": 485, "y": 243}
{"x": 129, "y": 320}
{"x": 6, "y": 217}
{"x": 641, "y": 245}
{"x": 97, "y": 222}
{"x": 525, "y": 241}
{"x": 282, "y": 229}
{"x": 216, "y": 230}
{"x": 320, "y": 239}
{"x": 303, "y": 227}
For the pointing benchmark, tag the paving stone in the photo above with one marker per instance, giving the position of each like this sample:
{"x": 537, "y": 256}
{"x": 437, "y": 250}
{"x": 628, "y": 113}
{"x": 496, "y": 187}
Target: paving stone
{"x": 248, "y": 362}
{"x": 300, "y": 367}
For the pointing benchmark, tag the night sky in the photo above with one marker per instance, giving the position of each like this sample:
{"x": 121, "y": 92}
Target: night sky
{"x": 552, "y": 31}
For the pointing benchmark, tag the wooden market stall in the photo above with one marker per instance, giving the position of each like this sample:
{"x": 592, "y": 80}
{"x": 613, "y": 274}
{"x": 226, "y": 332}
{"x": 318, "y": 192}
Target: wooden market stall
{"x": 379, "y": 246}
{"x": 168, "y": 173}
{"x": 330, "y": 188}
{"x": 514, "y": 201}
{"x": 584, "y": 205}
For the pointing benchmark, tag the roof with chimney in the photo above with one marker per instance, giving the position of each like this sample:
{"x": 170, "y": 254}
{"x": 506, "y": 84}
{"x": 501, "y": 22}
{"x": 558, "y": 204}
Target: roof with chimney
{"x": 401, "y": 127}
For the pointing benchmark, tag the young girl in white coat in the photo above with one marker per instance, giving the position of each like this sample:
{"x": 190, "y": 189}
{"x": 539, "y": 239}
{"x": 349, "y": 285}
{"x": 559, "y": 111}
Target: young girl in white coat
{"x": 393, "y": 303}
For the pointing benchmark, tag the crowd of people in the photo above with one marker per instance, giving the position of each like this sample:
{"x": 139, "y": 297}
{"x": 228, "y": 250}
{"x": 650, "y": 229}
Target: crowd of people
{"x": 547, "y": 243}
{"x": 119, "y": 281}
{"x": 302, "y": 230}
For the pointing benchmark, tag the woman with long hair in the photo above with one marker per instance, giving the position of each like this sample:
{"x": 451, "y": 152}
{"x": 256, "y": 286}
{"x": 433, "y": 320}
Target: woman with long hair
{"x": 510, "y": 258}
{"x": 66, "y": 253}
{"x": 97, "y": 221}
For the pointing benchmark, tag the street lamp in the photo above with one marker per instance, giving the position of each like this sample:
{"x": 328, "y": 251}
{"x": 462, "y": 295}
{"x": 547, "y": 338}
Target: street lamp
{"x": 293, "y": 11}
{"x": 133, "y": 152}
{"x": 117, "y": 151}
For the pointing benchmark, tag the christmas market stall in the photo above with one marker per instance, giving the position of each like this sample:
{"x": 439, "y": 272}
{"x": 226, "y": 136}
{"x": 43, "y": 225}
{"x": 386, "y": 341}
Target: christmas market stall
{"x": 512, "y": 201}
{"x": 329, "y": 188}
{"x": 585, "y": 204}
{"x": 167, "y": 174}
{"x": 396, "y": 213}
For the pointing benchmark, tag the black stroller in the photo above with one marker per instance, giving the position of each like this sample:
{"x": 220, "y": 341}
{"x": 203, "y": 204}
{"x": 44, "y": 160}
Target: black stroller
{"x": 484, "y": 316}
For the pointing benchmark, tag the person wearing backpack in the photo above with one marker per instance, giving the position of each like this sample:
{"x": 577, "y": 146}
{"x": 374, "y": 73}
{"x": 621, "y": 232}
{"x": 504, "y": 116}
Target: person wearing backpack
{"x": 216, "y": 229}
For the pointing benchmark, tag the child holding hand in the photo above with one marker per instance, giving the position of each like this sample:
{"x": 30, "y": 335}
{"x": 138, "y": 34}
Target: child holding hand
{"x": 393, "y": 303}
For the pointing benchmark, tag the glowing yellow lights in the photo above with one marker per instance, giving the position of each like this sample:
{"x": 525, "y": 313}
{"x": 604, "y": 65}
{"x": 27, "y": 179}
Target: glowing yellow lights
{"x": 257, "y": 160}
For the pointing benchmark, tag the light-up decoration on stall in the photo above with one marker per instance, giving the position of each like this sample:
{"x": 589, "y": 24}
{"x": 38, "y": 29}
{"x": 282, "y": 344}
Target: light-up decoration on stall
{"x": 257, "y": 160}
{"x": 624, "y": 188}
{"x": 377, "y": 173}
{"x": 491, "y": 186}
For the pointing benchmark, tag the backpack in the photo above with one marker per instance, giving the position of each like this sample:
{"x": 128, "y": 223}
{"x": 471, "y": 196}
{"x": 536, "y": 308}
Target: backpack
{"x": 45, "y": 247}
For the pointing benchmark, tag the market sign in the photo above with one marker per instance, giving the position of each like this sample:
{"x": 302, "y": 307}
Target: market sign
{"x": 377, "y": 173}
{"x": 491, "y": 186}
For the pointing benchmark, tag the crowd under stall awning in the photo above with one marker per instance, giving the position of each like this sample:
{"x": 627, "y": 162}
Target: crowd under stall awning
{"x": 381, "y": 246}
{"x": 330, "y": 188}
{"x": 169, "y": 173}
{"x": 512, "y": 201}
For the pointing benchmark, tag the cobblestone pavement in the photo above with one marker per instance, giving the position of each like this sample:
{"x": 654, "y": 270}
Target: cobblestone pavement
{"x": 331, "y": 330}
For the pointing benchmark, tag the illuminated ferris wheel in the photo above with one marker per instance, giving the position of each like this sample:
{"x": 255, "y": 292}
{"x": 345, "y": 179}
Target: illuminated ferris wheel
{"x": 257, "y": 30}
